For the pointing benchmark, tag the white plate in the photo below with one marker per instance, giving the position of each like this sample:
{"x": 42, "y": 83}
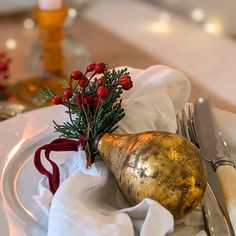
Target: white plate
{"x": 20, "y": 136}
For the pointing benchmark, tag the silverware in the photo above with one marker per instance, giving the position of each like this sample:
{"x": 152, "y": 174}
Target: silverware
{"x": 215, "y": 221}
{"x": 214, "y": 150}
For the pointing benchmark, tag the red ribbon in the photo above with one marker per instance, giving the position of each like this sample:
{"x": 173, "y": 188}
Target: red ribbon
{"x": 58, "y": 145}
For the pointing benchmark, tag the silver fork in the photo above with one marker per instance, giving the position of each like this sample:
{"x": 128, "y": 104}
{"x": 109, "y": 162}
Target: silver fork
{"x": 215, "y": 221}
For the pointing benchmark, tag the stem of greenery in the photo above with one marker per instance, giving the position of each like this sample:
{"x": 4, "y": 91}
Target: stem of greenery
{"x": 86, "y": 120}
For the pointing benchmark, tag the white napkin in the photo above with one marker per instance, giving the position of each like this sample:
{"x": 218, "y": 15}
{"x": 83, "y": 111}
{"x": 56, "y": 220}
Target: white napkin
{"x": 88, "y": 202}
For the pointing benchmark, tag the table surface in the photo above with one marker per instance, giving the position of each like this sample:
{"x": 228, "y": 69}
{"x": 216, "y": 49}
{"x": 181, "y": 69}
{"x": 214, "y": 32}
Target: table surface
{"x": 102, "y": 44}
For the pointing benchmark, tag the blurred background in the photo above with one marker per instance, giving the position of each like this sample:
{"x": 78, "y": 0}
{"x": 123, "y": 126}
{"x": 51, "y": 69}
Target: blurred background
{"x": 196, "y": 37}
{"x": 216, "y": 12}
{"x": 211, "y": 11}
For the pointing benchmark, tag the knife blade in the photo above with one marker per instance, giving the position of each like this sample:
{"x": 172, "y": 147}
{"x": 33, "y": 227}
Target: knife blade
{"x": 214, "y": 151}
{"x": 216, "y": 223}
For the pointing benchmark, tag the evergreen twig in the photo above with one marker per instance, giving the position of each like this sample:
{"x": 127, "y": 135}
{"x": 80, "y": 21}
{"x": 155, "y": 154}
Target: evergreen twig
{"x": 85, "y": 118}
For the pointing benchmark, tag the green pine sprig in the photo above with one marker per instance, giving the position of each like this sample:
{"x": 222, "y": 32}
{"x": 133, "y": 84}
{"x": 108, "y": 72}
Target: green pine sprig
{"x": 94, "y": 103}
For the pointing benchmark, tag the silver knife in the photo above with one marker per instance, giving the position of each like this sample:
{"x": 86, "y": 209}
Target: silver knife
{"x": 216, "y": 223}
{"x": 213, "y": 150}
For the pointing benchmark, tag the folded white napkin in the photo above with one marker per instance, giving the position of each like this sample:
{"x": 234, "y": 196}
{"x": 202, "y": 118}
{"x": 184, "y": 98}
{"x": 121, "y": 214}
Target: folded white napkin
{"x": 88, "y": 201}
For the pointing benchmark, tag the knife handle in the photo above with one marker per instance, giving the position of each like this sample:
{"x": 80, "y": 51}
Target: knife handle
{"x": 227, "y": 178}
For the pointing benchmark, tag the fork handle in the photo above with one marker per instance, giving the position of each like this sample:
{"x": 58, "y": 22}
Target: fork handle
{"x": 227, "y": 178}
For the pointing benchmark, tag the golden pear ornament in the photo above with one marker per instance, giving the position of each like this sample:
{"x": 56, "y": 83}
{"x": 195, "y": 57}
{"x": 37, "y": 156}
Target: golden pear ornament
{"x": 159, "y": 165}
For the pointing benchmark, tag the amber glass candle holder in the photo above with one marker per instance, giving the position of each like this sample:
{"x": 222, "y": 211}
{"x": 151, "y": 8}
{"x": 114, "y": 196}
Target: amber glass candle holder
{"x": 50, "y": 24}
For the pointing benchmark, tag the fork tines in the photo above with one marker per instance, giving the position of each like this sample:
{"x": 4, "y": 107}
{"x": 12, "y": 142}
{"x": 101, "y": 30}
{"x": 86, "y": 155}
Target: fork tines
{"x": 185, "y": 124}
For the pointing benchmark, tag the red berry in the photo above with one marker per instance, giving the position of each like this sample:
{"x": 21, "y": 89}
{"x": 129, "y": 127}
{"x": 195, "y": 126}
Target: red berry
{"x": 91, "y": 67}
{"x": 57, "y": 100}
{"x": 95, "y": 101}
{"x": 87, "y": 99}
{"x": 79, "y": 99}
{"x": 83, "y": 82}
{"x": 2, "y": 54}
{"x": 102, "y": 91}
{"x": 100, "y": 68}
{"x": 126, "y": 82}
{"x": 68, "y": 93}
{"x": 101, "y": 81}
{"x": 76, "y": 75}
{"x": 3, "y": 66}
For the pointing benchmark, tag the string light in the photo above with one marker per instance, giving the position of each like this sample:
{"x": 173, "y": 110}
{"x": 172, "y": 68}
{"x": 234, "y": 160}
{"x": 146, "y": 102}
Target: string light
{"x": 10, "y": 44}
{"x": 213, "y": 28}
{"x": 28, "y": 24}
{"x": 162, "y": 25}
{"x": 197, "y": 15}
{"x": 72, "y": 12}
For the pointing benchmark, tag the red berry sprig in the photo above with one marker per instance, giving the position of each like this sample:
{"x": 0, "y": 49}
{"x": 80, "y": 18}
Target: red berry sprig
{"x": 93, "y": 99}
{"x": 86, "y": 93}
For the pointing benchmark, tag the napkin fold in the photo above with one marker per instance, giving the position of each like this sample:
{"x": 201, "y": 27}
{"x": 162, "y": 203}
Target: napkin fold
{"x": 96, "y": 207}
{"x": 88, "y": 201}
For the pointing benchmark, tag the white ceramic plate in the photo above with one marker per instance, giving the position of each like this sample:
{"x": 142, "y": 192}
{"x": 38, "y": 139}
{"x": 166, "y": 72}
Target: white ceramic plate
{"x": 20, "y": 136}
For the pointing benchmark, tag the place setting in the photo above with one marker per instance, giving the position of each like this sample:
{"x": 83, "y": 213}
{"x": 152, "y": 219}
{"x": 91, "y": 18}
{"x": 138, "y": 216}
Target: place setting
{"x": 85, "y": 185}
{"x": 110, "y": 150}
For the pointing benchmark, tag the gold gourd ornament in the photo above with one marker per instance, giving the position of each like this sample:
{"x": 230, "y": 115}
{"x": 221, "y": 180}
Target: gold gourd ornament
{"x": 159, "y": 165}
